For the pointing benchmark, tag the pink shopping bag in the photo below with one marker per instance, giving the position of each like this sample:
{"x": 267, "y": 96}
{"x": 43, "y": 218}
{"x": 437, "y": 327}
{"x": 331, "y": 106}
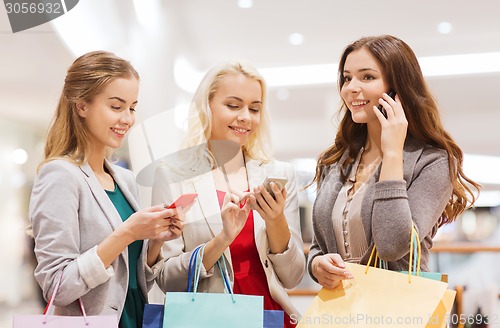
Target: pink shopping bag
{"x": 46, "y": 320}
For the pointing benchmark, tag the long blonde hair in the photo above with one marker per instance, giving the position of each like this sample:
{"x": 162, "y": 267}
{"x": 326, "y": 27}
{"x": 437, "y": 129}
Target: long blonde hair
{"x": 200, "y": 116}
{"x": 86, "y": 77}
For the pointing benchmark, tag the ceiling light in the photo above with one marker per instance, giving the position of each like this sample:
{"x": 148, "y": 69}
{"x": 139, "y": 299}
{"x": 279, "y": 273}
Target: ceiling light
{"x": 296, "y": 39}
{"x": 460, "y": 64}
{"x": 245, "y": 4}
{"x": 20, "y": 156}
{"x": 300, "y": 75}
{"x": 187, "y": 78}
{"x": 445, "y": 27}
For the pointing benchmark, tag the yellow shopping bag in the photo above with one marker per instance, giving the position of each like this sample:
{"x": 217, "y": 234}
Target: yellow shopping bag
{"x": 379, "y": 298}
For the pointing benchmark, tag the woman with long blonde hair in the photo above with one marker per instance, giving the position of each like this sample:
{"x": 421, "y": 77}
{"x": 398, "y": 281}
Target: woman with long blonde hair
{"x": 235, "y": 216}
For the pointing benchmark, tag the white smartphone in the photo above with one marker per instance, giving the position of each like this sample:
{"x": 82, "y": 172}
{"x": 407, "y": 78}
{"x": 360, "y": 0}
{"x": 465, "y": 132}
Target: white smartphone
{"x": 280, "y": 183}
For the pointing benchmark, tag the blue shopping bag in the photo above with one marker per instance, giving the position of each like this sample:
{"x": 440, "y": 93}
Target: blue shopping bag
{"x": 274, "y": 319}
{"x": 153, "y": 316}
{"x": 221, "y": 310}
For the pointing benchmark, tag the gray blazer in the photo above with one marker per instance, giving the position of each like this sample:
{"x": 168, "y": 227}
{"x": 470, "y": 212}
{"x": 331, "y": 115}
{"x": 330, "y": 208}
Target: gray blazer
{"x": 389, "y": 207}
{"x": 203, "y": 222}
{"x": 71, "y": 214}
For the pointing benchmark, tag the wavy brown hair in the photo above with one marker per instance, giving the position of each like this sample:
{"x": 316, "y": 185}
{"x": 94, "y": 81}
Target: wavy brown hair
{"x": 402, "y": 73}
{"x": 86, "y": 77}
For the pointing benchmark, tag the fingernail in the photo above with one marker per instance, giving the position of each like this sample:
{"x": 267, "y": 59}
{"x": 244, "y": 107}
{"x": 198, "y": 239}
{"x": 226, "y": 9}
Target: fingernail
{"x": 342, "y": 265}
{"x": 348, "y": 275}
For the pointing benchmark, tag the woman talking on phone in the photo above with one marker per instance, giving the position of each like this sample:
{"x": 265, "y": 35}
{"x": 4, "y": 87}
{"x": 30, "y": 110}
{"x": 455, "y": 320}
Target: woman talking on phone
{"x": 226, "y": 163}
{"x": 85, "y": 212}
{"x": 389, "y": 168}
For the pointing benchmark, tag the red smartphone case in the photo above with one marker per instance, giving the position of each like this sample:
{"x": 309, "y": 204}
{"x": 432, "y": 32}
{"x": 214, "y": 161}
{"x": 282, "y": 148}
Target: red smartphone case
{"x": 184, "y": 200}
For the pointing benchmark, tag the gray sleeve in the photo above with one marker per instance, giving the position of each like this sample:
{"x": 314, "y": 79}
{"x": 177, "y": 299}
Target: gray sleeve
{"x": 314, "y": 251}
{"x": 54, "y": 215}
{"x": 396, "y": 207}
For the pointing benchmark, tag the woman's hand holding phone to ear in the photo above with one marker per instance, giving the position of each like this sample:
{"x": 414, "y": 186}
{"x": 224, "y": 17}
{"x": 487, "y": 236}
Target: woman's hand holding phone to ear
{"x": 392, "y": 138}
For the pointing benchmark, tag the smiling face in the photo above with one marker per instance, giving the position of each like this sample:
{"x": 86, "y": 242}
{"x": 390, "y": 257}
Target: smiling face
{"x": 111, "y": 113}
{"x": 364, "y": 85}
{"x": 236, "y": 108}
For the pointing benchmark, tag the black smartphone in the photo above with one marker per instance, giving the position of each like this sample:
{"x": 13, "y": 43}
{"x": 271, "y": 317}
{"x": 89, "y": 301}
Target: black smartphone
{"x": 391, "y": 94}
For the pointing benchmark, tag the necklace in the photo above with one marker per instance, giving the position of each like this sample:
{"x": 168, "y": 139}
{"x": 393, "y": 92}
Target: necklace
{"x": 237, "y": 180}
{"x": 366, "y": 167}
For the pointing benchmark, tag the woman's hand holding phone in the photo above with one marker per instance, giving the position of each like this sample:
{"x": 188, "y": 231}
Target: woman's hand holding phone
{"x": 381, "y": 108}
{"x": 156, "y": 222}
{"x": 392, "y": 138}
{"x": 269, "y": 199}
{"x": 272, "y": 209}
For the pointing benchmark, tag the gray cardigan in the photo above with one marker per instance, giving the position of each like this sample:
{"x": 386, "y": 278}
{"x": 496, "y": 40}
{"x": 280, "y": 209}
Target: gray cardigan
{"x": 389, "y": 207}
{"x": 71, "y": 214}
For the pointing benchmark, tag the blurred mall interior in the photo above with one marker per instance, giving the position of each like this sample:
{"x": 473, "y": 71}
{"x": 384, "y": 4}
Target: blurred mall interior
{"x": 296, "y": 45}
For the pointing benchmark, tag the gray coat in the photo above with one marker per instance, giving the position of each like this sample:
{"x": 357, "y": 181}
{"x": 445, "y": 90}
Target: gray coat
{"x": 71, "y": 214}
{"x": 389, "y": 207}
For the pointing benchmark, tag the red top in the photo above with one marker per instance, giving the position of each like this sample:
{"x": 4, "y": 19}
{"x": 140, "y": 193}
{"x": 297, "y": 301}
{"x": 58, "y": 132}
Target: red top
{"x": 249, "y": 275}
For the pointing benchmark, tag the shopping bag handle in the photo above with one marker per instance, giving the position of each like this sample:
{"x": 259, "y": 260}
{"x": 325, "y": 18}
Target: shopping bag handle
{"x": 51, "y": 301}
{"x": 414, "y": 260}
{"x": 194, "y": 272}
{"x": 198, "y": 264}
{"x": 191, "y": 268}
{"x": 225, "y": 276}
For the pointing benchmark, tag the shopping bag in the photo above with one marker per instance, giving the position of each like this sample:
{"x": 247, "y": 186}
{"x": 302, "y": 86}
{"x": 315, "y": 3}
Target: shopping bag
{"x": 274, "y": 319}
{"x": 221, "y": 310}
{"x": 441, "y": 316}
{"x": 153, "y": 316}
{"x": 54, "y": 321}
{"x": 442, "y": 313}
{"x": 379, "y": 298}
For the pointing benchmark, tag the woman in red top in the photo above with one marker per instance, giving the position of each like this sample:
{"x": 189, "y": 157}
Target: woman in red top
{"x": 225, "y": 160}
